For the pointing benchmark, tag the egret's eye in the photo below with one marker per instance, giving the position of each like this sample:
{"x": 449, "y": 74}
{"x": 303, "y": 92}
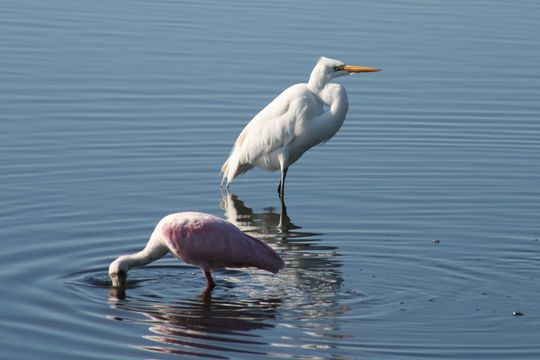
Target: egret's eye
{"x": 338, "y": 68}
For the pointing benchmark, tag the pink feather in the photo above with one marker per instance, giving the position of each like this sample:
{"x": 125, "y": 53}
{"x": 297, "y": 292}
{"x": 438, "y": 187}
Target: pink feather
{"x": 212, "y": 243}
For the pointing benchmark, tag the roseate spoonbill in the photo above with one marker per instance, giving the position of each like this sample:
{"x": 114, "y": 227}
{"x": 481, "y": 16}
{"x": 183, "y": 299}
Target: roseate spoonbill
{"x": 302, "y": 116}
{"x": 200, "y": 239}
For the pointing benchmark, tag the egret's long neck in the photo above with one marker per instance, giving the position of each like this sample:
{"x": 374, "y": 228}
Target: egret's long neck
{"x": 154, "y": 250}
{"x": 335, "y": 97}
{"x": 316, "y": 82}
{"x": 328, "y": 124}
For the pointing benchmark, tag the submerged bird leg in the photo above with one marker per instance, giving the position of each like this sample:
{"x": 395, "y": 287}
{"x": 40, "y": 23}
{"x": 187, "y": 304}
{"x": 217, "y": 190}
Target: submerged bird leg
{"x": 209, "y": 281}
{"x": 284, "y": 220}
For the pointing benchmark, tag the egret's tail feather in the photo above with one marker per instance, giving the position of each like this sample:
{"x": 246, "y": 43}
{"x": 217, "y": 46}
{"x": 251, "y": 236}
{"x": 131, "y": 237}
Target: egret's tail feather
{"x": 224, "y": 170}
{"x": 229, "y": 169}
{"x": 232, "y": 167}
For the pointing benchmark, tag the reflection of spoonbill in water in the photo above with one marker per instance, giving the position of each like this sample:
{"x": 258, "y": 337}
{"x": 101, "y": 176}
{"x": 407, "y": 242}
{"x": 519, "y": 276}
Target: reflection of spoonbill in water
{"x": 200, "y": 239}
{"x": 302, "y": 116}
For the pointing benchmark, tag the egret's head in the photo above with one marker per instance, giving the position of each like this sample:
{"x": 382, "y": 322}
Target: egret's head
{"x": 118, "y": 271}
{"x": 328, "y": 69}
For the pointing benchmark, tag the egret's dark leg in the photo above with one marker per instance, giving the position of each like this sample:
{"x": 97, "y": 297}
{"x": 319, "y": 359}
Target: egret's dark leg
{"x": 284, "y": 220}
{"x": 281, "y": 187}
{"x": 209, "y": 281}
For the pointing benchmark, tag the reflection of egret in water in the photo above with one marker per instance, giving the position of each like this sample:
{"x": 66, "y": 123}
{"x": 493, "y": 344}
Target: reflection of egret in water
{"x": 266, "y": 223}
{"x": 311, "y": 267}
{"x": 208, "y": 325}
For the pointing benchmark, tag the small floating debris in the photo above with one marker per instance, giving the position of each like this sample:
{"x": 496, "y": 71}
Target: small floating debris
{"x": 436, "y": 241}
{"x": 517, "y": 313}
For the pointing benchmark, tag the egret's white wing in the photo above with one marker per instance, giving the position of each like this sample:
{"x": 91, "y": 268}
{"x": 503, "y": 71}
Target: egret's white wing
{"x": 273, "y": 128}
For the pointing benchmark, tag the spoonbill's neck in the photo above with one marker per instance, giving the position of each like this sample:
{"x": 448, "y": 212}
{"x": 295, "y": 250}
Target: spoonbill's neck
{"x": 153, "y": 251}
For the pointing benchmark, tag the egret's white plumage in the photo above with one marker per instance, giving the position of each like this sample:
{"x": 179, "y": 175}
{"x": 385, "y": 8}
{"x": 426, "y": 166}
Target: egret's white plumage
{"x": 301, "y": 117}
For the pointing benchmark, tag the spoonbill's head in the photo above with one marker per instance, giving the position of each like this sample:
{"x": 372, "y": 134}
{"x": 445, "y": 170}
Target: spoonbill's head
{"x": 118, "y": 272}
{"x": 328, "y": 69}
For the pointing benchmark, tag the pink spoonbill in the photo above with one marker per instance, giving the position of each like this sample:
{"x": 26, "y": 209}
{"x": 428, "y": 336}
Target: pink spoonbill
{"x": 302, "y": 116}
{"x": 200, "y": 239}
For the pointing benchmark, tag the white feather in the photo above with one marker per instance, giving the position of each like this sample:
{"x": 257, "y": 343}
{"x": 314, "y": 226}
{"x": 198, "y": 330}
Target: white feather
{"x": 301, "y": 117}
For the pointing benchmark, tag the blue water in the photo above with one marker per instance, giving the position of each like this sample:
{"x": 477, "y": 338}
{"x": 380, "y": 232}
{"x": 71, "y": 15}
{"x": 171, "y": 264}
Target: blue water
{"x": 414, "y": 233}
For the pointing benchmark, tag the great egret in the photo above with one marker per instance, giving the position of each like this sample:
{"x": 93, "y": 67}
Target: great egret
{"x": 301, "y": 117}
{"x": 200, "y": 239}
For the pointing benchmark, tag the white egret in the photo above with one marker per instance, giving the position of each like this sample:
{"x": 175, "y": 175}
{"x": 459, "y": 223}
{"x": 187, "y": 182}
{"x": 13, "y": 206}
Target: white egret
{"x": 302, "y": 116}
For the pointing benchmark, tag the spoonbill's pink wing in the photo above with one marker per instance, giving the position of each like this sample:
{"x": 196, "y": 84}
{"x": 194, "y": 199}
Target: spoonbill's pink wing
{"x": 213, "y": 243}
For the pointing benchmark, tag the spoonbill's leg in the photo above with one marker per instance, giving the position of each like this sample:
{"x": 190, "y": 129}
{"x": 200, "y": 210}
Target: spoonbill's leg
{"x": 209, "y": 281}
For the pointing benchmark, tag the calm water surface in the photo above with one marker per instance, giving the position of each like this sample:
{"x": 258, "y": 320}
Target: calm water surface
{"x": 116, "y": 113}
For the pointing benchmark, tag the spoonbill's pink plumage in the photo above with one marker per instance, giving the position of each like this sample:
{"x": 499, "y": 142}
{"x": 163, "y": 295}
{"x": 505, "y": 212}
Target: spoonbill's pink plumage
{"x": 203, "y": 240}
